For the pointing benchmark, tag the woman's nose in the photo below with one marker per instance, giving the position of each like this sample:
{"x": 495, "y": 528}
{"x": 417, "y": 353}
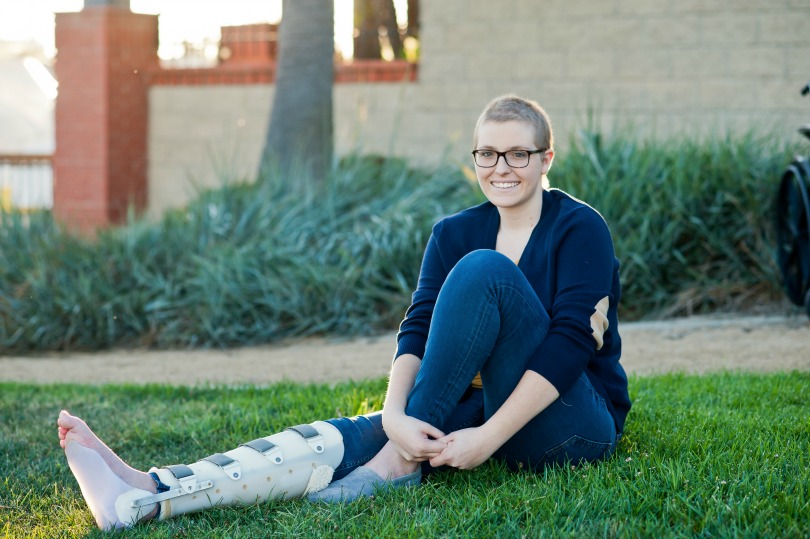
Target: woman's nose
{"x": 501, "y": 167}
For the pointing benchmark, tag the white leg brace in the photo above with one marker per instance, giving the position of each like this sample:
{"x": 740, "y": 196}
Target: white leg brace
{"x": 289, "y": 464}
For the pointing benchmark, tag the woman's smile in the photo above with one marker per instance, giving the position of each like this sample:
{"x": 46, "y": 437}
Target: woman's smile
{"x": 505, "y": 185}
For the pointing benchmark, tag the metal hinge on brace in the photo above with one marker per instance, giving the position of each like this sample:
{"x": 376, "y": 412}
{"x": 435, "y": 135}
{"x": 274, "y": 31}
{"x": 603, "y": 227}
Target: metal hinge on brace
{"x": 173, "y": 493}
{"x": 188, "y": 485}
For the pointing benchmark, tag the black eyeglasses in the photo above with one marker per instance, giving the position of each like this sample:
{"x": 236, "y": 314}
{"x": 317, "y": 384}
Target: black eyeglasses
{"x": 513, "y": 158}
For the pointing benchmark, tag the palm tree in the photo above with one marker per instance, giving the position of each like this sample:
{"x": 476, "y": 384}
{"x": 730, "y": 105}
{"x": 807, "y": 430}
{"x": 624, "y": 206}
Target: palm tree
{"x": 299, "y": 137}
{"x": 370, "y": 16}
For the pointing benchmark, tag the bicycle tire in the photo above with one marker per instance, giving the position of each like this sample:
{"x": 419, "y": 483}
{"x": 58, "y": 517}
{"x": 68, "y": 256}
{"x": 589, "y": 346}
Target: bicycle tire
{"x": 807, "y": 303}
{"x": 793, "y": 231}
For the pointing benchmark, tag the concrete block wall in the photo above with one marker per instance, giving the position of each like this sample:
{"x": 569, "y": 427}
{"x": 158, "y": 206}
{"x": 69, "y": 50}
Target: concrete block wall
{"x": 202, "y": 137}
{"x": 660, "y": 67}
{"x": 664, "y": 67}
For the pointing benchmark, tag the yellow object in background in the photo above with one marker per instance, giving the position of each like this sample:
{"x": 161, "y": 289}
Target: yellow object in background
{"x": 5, "y": 198}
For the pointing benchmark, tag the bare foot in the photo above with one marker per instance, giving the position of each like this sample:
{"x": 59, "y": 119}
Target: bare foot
{"x": 102, "y": 476}
{"x": 389, "y": 464}
{"x": 73, "y": 429}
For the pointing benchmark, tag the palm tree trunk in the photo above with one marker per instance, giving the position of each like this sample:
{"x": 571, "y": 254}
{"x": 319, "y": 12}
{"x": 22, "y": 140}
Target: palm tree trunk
{"x": 299, "y": 137}
{"x": 369, "y": 17}
{"x": 367, "y": 27}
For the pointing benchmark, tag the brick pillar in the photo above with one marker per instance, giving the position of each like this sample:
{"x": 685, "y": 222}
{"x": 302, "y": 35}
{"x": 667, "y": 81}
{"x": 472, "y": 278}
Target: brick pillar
{"x": 104, "y": 54}
{"x": 249, "y": 44}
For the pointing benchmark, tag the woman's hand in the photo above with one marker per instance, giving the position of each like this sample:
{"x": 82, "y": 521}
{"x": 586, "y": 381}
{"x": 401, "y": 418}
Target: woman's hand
{"x": 466, "y": 449}
{"x": 415, "y": 440}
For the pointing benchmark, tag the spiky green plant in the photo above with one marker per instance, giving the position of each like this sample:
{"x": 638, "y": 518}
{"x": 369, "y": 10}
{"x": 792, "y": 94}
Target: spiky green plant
{"x": 256, "y": 263}
{"x": 242, "y": 265}
{"x": 691, "y": 219}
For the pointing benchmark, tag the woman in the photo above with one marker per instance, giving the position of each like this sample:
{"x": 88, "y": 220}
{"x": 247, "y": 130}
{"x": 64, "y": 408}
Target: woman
{"x": 509, "y": 349}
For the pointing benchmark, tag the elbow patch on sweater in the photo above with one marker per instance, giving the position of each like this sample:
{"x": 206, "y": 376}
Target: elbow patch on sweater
{"x": 599, "y": 321}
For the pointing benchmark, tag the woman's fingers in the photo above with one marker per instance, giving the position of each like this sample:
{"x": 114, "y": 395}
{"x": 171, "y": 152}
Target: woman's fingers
{"x": 431, "y": 448}
{"x": 432, "y": 431}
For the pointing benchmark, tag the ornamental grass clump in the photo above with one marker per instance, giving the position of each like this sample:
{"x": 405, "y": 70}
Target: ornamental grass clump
{"x": 242, "y": 265}
{"x": 257, "y": 263}
{"x": 691, "y": 219}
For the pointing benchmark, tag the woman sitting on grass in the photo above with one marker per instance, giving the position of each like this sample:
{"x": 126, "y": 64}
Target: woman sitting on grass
{"x": 509, "y": 349}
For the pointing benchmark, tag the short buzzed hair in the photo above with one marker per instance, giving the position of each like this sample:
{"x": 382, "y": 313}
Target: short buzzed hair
{"x": 510, "y": 108}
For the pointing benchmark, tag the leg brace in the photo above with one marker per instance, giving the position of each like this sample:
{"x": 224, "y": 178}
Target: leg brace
{"x": 289, "y": 464}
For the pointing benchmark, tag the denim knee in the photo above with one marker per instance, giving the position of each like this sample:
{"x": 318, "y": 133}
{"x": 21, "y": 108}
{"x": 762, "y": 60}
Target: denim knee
{"x": 482, "y": 264}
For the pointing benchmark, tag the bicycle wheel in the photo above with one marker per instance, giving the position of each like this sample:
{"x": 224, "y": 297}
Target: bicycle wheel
{"x": 793, "y": 230}
{"x": 807, "y": 303}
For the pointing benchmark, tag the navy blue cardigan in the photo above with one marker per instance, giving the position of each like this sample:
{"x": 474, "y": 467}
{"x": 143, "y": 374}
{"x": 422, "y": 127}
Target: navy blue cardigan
{"x": 570, "y": 264}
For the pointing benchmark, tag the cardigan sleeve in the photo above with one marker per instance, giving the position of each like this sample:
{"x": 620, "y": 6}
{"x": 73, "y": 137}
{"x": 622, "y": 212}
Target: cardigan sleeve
{"x": 583, "y": 261}
{"x": 413, "y": 331}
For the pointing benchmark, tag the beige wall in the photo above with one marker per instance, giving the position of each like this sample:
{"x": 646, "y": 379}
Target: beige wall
{"x": 662, "y": 67}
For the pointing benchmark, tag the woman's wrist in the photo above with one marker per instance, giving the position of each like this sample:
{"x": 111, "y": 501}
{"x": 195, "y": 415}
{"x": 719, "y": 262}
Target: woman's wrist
{"x": 391, "y": 414}
{"x": 493, "y": 434}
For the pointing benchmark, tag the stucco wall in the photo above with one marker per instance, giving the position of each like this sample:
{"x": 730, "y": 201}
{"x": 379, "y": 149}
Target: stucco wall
{"x": 661, "y": 67}
{"x": 200, "y": 136}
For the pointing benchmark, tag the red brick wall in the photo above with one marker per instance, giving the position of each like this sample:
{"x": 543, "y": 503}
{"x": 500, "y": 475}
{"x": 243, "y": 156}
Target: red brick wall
{"x": 106, "y": 61}
{"x": 249, "y": 44}
{"x": 104, "y": 54}
{"x": 258, "y": 73}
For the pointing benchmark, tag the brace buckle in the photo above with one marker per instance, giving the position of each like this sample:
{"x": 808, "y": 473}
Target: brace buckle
{"x": 275, "y": 455}
{"x": 268, "y": 449}
{"x": 234, "y": 471}
{"x": 231, "y": 467}
{"x": 316, "y": 443}
{"x": 311, "y": 435}
{"x": 188, "y": 484}
{"x": 184, "y": 475}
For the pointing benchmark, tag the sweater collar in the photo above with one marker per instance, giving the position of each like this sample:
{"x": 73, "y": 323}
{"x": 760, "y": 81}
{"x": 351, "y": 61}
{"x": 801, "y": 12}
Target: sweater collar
{"x": 494, "y": 220}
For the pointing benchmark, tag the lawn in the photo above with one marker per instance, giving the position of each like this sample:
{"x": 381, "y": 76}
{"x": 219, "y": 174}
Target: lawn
{"x": 721, "y": 455}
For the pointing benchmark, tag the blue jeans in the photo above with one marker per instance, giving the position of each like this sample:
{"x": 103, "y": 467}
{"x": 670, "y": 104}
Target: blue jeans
{"x": 488, "y": 319}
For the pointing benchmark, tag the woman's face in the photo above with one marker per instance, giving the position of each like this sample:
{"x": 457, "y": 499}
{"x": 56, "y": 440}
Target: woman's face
{"x": 507, "y": 187}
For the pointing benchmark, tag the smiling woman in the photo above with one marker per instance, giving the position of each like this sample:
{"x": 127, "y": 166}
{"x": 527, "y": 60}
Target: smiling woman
{"x": 510, "y": 167}
{"x": 509, "y": 350}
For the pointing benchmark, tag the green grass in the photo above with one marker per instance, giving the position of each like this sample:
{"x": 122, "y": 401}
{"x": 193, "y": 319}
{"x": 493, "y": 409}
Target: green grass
{"x": 721, "y": 455}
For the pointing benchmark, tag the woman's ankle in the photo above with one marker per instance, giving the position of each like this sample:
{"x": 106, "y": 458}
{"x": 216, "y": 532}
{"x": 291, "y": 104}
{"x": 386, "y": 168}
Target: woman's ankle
{"x": 389, "y": 464}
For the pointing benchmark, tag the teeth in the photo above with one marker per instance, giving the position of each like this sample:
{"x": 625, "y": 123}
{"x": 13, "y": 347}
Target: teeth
{"x": 504, "y": 185}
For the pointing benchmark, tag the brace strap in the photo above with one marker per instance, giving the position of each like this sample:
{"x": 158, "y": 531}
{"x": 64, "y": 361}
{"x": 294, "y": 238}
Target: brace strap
{"x": 185, "y": 475}
{"x": 266, "y": 448}
{"x": 231, "y": 467}
{"x": 311, "y": 435}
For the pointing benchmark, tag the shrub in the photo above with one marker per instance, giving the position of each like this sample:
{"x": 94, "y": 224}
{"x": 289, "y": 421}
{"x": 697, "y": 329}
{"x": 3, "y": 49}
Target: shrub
{"x": 242, "y": 265}
{"x": 691, "y": 219}
{"x": 256, "y": 263}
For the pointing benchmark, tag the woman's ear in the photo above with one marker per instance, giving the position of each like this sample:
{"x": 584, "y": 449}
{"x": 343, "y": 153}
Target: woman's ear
{"x": 548, "y": 157}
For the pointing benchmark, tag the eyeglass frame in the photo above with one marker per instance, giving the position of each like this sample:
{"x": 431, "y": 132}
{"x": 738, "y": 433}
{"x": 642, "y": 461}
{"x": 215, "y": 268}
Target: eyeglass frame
{"x": 505, "y": 160}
